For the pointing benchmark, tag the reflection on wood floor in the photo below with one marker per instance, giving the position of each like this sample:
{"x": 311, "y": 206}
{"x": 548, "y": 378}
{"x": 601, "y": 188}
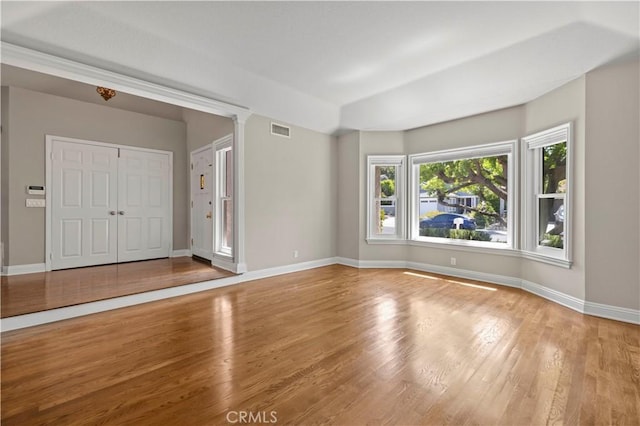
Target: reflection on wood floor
{"x": 333, "y": 345}
{"x": 22, "y": 294}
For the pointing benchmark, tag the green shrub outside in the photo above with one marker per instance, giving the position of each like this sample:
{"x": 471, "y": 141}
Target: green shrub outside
{"x": 435, "y": 232}
{"x": 552, "y": 241}
{"x": 464, "y": 234}
{"x": 457, "y": 234}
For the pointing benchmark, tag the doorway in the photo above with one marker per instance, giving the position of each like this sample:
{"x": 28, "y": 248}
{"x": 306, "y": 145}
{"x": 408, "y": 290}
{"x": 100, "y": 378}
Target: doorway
{"x": 212, "y": 231}
{"x": 106, "y": 203}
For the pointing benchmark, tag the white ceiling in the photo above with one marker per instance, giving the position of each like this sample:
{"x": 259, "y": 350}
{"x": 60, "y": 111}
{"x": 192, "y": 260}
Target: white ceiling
{"x": 339, "y": 65}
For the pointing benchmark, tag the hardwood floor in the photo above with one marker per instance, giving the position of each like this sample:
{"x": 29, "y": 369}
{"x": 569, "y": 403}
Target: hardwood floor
{"x": 333, "y": 345}
{"x": 22, "y": 294}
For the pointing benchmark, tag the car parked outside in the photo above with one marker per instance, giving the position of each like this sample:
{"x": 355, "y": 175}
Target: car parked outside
{"x": 447, "y": 221}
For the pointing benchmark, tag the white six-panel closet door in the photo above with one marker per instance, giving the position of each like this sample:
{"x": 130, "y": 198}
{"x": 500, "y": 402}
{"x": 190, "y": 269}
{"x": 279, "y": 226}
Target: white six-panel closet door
{"x": 84, "y": 205}
{"x": 144, "y": 209}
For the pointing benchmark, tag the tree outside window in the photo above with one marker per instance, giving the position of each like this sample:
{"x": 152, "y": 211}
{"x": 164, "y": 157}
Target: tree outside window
{"x": 476, "y": 188}
{"x": 465, "y": 196}
{"x": 385, "y": 195}
{"x": 551, "y": 194}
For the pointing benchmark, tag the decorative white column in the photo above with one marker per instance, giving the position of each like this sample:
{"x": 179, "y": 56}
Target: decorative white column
{"x": 238, "y": 193}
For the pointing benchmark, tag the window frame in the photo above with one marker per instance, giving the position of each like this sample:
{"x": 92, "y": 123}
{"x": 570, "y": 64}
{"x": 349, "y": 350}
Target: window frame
{"x": 509, "y": 148}
{"x": 398, "y": 161}
{"x": 532, "y": 193}
{"x": 221, "y": 149}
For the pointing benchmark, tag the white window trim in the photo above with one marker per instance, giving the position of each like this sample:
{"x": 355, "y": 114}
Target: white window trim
{"x": 220, "y": 147}
{"x": 509, "y": 148}
{"x": 387, "y": 160}
{"x": 532, "y": 169}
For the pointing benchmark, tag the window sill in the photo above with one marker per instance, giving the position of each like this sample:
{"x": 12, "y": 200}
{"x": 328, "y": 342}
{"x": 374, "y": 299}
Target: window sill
{"x": 390, "y": 241}
{"x": 476, "y": 247}
{"x": 563, "y": 263}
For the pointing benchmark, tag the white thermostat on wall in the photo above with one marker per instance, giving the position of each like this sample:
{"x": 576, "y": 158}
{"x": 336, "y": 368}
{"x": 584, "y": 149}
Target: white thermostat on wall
{"x": 35, "y": 190}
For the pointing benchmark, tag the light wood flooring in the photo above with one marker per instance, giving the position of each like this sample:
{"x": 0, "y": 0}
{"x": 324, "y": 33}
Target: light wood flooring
{"x": 23, "y": 294}
{"x": 333, "y": 345}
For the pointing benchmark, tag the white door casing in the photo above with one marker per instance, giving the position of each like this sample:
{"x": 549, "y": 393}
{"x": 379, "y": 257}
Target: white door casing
{"x": 144, "y": 207}
{"x": 202, "y": 189}
{"x": 83, "y": 200}
{"x": 102, "y": 208}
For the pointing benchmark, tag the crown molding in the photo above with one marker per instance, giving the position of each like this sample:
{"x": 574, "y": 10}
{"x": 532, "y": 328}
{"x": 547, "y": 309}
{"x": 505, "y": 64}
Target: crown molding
{"x": 34, "y": 60}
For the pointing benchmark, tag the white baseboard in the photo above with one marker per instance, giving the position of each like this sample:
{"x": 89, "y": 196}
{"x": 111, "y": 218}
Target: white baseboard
{"x": 181, "y": 253}
{"x": 612, "y": 312}
{"x": 295, "y": 267}
{"x": 463, "y": 273}
{"x": 346, "y": 261}
{"x": 553, "y": 295}
{"x": 371, "y": 264}
{"x": 23, "y": 269}
{"x": 227, "y": 265}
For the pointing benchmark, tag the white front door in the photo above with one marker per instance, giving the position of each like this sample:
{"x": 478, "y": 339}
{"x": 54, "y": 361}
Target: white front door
{"x": 84, "y": 205}
{"x": 202, "y": 203}
{"x": 144, "y": 206}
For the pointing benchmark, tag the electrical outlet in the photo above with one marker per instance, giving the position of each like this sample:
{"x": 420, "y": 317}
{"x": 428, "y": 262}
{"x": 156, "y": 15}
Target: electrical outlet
{"x": 453, "y": 261}
{"x": 295, "y": 253}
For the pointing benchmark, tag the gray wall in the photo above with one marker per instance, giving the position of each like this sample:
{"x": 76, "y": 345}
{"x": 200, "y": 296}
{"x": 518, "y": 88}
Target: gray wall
{"x": 33, "y": 115}
{"x": 613, "y": 186}
{"x": 203, "y": 128}
{"x": 290, "y": 197}
{"x": 557, "y": 107}
{"x": 495, "y": 126}
{"x": 348, "y": 204}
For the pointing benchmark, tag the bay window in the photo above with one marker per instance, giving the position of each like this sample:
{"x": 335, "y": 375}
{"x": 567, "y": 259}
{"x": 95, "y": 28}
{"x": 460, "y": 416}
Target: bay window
{"x": 470, "y": 198}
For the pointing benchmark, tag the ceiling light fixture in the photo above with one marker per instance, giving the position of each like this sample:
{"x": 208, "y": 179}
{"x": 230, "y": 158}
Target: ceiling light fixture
{"x": 106, "y": 93}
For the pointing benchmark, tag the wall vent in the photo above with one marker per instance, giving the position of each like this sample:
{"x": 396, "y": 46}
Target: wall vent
{"x": 280, "y": 130}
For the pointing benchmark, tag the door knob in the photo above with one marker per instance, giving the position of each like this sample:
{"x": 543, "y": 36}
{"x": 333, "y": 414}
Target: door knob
{"x": 121, "y": 212}
{"x": 112, "y": 212}
{"x": 208, "y": 216}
